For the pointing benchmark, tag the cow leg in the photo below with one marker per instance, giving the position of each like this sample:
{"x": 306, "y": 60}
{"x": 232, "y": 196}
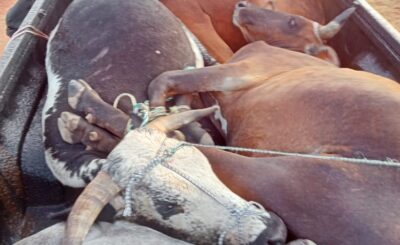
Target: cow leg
{"x": 219, "y": 78}
{"x": 75, "y": 129}
{"x": 193, "y": 132}
{"x": 83, "y": 98}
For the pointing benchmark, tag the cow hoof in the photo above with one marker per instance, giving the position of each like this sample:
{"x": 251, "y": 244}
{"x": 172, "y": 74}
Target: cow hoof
{"x": 90, "y": 118}
{"x": 78, "y": 91}
{"x": 75, "y": 91}
{"x": 94, "y": 136}
{"x": 68, "y": 123}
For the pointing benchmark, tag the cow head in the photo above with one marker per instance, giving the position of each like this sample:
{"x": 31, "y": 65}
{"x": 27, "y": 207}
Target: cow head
{"x": 181, "y": 196}
{"x": 286, "y": 30}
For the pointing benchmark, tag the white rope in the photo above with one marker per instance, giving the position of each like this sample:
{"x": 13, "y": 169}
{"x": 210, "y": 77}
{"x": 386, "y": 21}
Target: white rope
{"x": 138, "y": 177}
{"x": 388, "y": 162}
{"x": 238, "y": 215}
{"x": 163, "y": 158}
{"x": 119, "y": 97}
{"x": 144, "y": 111}
{"x": 31, "y": 30}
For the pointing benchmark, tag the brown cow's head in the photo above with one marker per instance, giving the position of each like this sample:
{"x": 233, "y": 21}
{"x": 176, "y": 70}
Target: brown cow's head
{"x": 288, "y": 31}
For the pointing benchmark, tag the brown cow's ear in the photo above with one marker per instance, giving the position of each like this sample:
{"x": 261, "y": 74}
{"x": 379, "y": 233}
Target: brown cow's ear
{"x": 323, "y": 52}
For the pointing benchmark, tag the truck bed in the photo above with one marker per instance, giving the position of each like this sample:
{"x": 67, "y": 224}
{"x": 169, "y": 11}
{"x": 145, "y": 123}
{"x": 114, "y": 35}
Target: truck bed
{"x": 30, "y": 192}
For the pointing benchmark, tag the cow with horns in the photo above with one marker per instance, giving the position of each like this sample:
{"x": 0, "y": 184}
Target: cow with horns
{"x": 319, "y": 118}
{"x": 137, "y": 41}
{"x": 302, "y": 28}
{"x": 295, "y": 25}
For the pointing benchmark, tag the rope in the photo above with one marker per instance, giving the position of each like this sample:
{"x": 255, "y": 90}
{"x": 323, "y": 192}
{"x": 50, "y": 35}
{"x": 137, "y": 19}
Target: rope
{"x": 245, "y": 211}
{"x": 237, "y": 215}
{"x": 144, "y": 111}
{"x": 137, "y": 177}
{"x": 31, "y": 30}
{"x": 163, "y": 158}
{"x": 119, "y": 97}
{"x": 388, "y": 162}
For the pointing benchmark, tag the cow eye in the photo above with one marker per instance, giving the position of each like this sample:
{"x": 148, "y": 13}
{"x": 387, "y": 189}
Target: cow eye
{"x": 168, "y": 208}
{"x": 292, "y": 22}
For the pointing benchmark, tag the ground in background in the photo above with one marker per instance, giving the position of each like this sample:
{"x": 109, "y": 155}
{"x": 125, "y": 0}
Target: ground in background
{"x": 4, "y": 6}
{"x": 390, "y": 9}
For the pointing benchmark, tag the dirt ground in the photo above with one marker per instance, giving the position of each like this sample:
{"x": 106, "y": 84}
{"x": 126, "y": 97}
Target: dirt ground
{"x": 390, "y": 9}
{"x": 4, "y": 6}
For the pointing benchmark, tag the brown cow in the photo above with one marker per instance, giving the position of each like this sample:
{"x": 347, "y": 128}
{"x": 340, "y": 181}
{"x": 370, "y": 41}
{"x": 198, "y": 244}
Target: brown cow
{"x": 211, "y": 21}
{"x": 272, "y": 98}
{"x": 289, "y": 31}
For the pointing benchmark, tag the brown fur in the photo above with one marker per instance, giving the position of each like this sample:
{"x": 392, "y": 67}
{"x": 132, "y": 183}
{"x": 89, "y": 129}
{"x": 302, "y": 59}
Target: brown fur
{"x": 211, "y": 20}
{"x": 326, "y": 201}
{"x": 277, "y": 99}
{"x": 281, "y": 100}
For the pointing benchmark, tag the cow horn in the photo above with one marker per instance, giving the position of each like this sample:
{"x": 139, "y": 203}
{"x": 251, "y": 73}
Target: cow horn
{"x": 100, "y": 191}
{"x": 175, "y": 121}
{"x": 332, "y": 28}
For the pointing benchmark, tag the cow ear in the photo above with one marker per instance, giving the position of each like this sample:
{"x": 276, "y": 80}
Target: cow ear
{"x": 323, "y": 52}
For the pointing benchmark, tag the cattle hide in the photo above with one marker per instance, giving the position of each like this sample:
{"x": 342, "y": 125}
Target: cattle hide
{"x": 120, "y": 232}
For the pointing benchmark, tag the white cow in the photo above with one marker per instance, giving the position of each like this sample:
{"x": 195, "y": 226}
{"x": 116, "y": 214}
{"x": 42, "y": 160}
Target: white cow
{"x": 103, "y": 233}
{"x": 171, "y": 187}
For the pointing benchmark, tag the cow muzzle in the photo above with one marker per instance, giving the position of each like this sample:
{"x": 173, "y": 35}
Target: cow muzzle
{"x": 274, "y": 234}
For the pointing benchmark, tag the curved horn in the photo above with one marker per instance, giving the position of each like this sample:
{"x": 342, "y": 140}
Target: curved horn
{"x": 87, "y": 207}
{"x": 175, "y": 121}
{"x": 332, "y": 28}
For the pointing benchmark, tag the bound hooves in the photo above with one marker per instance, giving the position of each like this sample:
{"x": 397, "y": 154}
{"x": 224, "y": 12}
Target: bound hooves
{"x": 78, "y": 92}
{"x": 101, "y": 126}
{"x": 74, "y": 129}
{"x": 68, "y": 126}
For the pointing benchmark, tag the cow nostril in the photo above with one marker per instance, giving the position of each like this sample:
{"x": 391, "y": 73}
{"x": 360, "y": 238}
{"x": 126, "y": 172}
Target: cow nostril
{"x": 241, "y": 4}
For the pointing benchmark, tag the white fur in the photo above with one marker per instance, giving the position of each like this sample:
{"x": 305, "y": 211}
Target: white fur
{"x": 56, "y": 166}
{"x": 224, "y": 123}
{"x": 63, "y": 175}
{"x": 54, "y": 83}
{"x": 103, "y": 233}
{"x": 196, "y": 50}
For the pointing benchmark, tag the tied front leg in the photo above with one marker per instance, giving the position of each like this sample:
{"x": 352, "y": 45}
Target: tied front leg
{"x": 219, "y": 78}
{"x": 74, "y": 129}
{"x": 83, "y": 98}
{"x": 194, "y": 132}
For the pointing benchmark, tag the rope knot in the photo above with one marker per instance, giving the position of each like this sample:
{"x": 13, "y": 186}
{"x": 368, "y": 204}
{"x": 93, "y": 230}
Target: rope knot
{"x": 145, "y": 112}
